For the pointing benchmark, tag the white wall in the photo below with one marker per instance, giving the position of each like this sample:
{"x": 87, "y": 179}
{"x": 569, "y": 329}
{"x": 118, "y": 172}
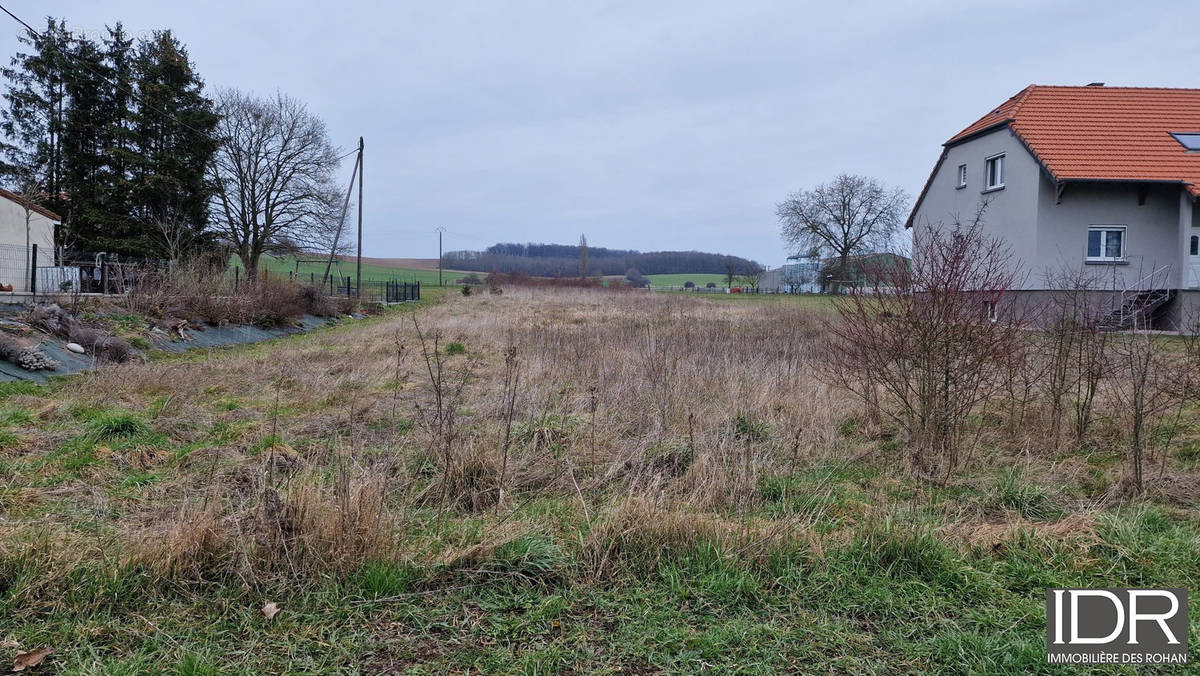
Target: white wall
{"x": 14, "y": 257}
{"x": 1151, "y": 235}
{"x": 1011, "y": 213}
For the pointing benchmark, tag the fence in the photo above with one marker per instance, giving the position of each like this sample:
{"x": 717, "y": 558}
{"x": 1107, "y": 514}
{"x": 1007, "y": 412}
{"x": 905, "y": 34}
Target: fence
{"x": 112, "y": 274}
{"x": 15, "y": 273}
{"x": 737, "y": 289}
{"x": 376, "y": 290}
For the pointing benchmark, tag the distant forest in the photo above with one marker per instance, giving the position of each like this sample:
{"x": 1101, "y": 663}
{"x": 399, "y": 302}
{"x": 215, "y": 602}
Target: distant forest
{"x": 562, "y": 260}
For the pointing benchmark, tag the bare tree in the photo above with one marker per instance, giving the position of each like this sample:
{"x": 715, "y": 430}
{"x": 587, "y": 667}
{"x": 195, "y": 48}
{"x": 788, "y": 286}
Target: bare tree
{"x": 850, "y": 215}
{"x": 274, "y": 177}
{"x": 174, "y": 236}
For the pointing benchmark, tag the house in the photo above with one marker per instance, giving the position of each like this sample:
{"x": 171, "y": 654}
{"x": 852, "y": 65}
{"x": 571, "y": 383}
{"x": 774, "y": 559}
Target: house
{"x": 1098, "y": 180}
{"x": 22, "y": 225}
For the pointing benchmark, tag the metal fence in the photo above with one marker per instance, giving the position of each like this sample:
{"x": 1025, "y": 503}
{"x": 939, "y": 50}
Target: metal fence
{"x": 16, "y": 273}
{"x": 376, "y": 290}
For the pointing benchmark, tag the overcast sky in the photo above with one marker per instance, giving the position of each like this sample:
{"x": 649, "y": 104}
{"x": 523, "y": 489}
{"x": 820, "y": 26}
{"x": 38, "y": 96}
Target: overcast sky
{"x": 646, "y": 125}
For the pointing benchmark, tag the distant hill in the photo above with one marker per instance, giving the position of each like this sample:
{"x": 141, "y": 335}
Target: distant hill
{"x": 551, "y": 260}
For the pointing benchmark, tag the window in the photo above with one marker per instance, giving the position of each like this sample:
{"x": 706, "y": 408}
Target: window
{"x": 993, "y": 173}
{"x": 989, "y": 310}
{"x": 1190, "y": 140}
{"x": 962, "y": 175}
{"x": 1195, "y": 246}
{"x": 1106, "y": 243}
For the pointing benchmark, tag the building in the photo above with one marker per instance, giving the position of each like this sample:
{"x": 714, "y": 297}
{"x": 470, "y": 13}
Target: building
{"x": 23, "y": 224}
{"x": 799, "y": 275}
{"x": 1098, "y": 180}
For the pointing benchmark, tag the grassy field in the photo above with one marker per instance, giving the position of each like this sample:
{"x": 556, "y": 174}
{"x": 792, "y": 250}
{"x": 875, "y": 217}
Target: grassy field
{"x": 544, "y": 481}
{"x": 282, "y": 265}
{"x": 681, "y": 279}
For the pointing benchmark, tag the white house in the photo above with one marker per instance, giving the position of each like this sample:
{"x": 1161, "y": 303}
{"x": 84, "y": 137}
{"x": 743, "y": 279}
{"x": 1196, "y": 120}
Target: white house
{"x": 1102, "y": 181}
{"x": 23, "y": 224}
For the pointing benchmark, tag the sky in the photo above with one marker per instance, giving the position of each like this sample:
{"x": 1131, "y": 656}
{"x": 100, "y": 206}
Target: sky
{"x": 655, "y": 125}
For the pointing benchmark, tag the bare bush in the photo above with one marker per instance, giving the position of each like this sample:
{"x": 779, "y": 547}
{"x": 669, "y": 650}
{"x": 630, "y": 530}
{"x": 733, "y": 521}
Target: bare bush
{"x": 929, "y": 345}
{"x": 205, "y": 293}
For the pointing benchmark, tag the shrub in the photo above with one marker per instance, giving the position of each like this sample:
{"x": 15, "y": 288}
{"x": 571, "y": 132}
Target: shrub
{"x": 636, "y": 278}
{"x": 456, "y": 348}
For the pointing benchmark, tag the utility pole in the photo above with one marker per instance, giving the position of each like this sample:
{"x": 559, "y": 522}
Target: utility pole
{"x": 358, "y": 266}
{"x": 439, "y": 232}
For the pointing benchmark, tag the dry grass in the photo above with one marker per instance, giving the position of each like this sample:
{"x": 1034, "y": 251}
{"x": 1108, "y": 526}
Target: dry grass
{"x": 654, "y": 419}
{"x": 667, "y": 458}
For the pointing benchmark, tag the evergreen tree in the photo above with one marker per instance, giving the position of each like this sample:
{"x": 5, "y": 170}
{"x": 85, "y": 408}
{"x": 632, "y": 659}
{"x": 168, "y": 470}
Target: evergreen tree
{"x": 34, "y": 119}
{"x": 85, "y": 125}
{"x": 118, "y": 138}
{"x": 173, "y": 132}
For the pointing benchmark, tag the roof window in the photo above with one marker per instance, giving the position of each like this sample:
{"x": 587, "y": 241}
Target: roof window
{"x": 1189, "y": 140}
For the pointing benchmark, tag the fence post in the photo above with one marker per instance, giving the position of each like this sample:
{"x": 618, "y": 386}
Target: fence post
{"x": 103, "y": 273}
{"x": 33, "y": 271}
{"x": 418, "y": 290}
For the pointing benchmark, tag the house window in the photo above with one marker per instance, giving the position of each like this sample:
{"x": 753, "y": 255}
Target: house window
{"x": 1195, "y": 246}
{"x": 993, "y": 173}
{"x": 962, "y": 175}
{"x": 989, "y": 310}
{"x": 1106, "y": 243}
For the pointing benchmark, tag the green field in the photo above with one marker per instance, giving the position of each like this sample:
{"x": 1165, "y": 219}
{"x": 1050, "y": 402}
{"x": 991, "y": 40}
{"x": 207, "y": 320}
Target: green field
{"x": 683, "y": 278}
{"x": 371, "y": 272}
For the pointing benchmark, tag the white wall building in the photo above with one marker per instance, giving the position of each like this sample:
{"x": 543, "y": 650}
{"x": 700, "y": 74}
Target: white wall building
{"x": 23, "y": 224}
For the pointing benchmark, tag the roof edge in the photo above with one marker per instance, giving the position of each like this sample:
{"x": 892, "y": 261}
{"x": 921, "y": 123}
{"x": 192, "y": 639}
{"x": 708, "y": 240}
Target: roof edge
{"x": 29, "y": 204}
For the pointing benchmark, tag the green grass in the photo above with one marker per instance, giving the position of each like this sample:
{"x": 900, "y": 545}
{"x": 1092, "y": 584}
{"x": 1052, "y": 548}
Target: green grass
{"x": 894, "y": 598}
{"x": 683, "y": 278}
{"x": 281, "y": 266}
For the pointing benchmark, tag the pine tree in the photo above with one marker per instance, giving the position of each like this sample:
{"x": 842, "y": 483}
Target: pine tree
{"x": 35, "y": 116}
{"x": 173, "y": 134}
{"x": 85, "y": 125}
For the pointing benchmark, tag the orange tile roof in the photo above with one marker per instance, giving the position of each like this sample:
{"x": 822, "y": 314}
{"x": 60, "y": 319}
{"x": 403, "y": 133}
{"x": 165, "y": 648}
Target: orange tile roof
{"x": 1103, "y": 133}
{"x": 36, "y": 208}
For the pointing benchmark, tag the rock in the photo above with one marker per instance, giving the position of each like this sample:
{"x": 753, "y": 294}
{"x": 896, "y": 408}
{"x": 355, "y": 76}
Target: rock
{"x": 76, "y": 348}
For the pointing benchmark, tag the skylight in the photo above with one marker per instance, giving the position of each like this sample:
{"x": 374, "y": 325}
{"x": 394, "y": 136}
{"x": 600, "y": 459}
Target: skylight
{"x": 1190, "y": 140}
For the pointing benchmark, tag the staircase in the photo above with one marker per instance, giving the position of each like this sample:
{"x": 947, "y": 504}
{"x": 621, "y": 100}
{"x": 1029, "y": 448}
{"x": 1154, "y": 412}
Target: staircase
{"x": 1136, "y": 310}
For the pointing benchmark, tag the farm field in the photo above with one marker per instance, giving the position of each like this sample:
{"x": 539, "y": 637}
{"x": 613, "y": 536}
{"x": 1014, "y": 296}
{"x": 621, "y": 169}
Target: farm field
{"x": 547, "y": 481}
{"x": 681, "y": 279}
{"x": 373, "y": 269}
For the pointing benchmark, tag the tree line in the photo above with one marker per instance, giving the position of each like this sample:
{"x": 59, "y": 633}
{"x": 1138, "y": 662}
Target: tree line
{"x": 119, "y": 137}
{"x": 562, "y": 260}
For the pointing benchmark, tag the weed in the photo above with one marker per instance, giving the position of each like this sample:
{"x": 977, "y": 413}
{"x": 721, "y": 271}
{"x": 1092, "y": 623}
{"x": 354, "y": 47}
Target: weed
{"x": 749, "y": 429}
{"x": 1029, "y": 500}
{"x": 109, "y": 425}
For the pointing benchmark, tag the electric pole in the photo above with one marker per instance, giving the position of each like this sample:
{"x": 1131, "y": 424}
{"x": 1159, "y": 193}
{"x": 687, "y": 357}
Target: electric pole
{"x": 358, "y": 266}
{"x": 439, "y": 232}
